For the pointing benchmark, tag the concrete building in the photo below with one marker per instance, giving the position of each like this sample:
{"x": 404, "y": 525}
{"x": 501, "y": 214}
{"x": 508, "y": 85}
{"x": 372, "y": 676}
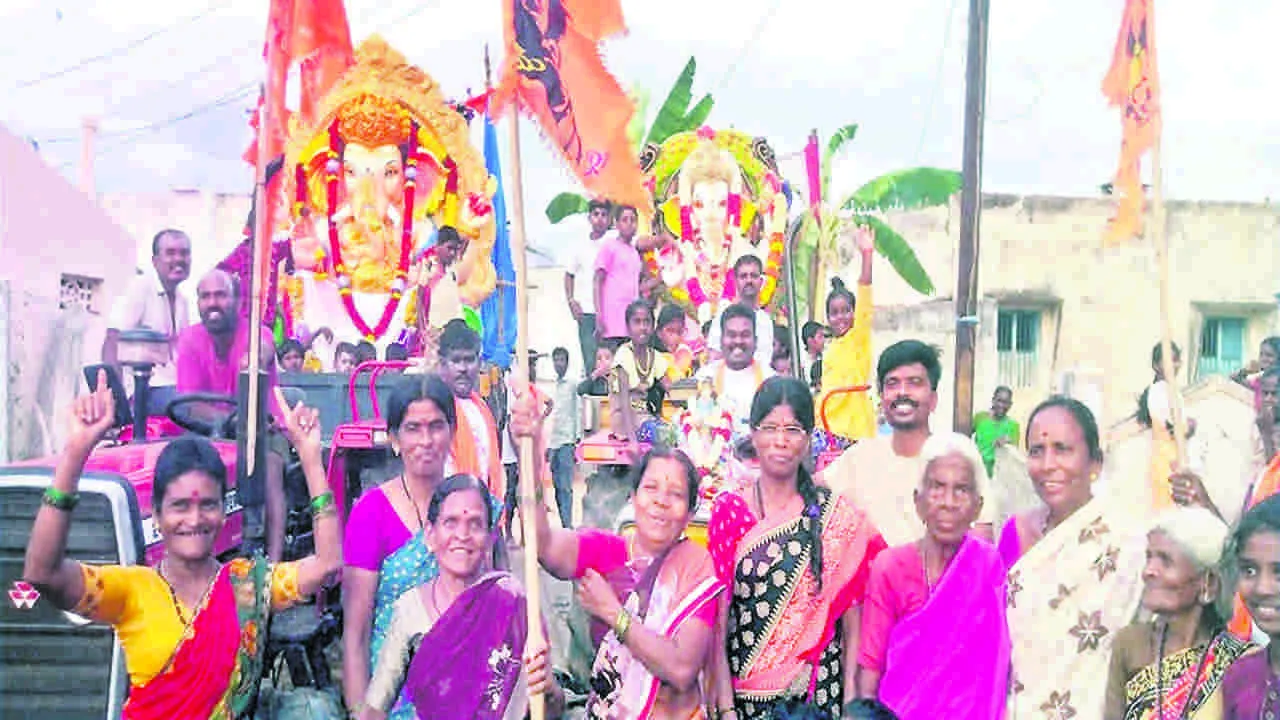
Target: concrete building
{"x": 60, "y": 269}
{"x": 1059, "y": 312}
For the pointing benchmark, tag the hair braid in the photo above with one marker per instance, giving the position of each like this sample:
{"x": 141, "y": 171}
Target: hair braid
{"x": 811, "y": 521}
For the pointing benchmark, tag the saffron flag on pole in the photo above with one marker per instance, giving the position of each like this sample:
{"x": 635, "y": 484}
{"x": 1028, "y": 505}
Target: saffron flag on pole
{"x": 1133, "y": 85}
{"x": 498, "y": 312}
{"x": 554, "y": 72}
{"x": 315, "y": 36}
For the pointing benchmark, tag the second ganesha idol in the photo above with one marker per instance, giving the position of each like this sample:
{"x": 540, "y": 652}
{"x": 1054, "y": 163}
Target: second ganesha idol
{"x": 719, "y": 197}
{"x": 386, "y": 166}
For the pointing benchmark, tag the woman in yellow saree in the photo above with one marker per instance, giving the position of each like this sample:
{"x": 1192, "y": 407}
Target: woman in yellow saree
{"x": 191, "y": 626}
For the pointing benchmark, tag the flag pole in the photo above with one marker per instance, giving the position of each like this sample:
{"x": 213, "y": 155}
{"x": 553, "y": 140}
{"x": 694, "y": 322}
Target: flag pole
{"x": 1160, "y": 239}
{"x": 259, "y": 258}
{"x": 528, "y": 467}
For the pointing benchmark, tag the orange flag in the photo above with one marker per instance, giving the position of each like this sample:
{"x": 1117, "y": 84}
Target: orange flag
{"x": 315, "y": 35}
{"x": 553, "y": 69}
{"x": 1133, "y": 85}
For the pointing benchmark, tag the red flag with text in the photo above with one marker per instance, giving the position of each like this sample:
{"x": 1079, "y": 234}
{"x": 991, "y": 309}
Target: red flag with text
{"x": 1133, "y": 85}
{"x": 554, "y": 71}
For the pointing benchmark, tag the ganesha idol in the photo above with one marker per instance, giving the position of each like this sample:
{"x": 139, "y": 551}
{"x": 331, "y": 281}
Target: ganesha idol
{"x": 385, "y": 167}
{"x": 719, "y": 197}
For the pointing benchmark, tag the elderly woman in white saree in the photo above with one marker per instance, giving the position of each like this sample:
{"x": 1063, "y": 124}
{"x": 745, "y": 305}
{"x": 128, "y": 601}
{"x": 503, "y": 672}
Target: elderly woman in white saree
{"x": 1075, "y": 571}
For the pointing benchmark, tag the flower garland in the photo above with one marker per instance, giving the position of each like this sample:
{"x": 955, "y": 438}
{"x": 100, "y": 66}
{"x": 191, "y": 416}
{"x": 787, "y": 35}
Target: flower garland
{"x": 772, "y": 268}
{"x": 332, "y": 166}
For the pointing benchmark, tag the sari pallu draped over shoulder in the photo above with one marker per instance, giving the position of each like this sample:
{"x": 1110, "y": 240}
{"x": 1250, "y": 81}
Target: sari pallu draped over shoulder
{"x": 685, "y": 585}
{"x": 214, "y": 672}
{"x": 781, "y": 627}
{"x": 403, "y": 570}
{"x": 1067, "y": 597}
{"x": 1191, "y": 679}
{"x": 470, "y": 663}
{"x": 950, "y": 659}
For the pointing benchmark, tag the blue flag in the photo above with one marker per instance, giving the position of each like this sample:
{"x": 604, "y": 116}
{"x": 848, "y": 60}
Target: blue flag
{"x": 498, "y": 313}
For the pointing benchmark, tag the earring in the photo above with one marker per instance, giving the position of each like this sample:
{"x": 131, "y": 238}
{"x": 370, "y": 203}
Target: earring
{"x": 1093, "y": 477}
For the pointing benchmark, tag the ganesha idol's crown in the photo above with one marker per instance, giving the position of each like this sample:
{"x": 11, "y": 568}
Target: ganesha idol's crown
{"x": 374, "y": 121}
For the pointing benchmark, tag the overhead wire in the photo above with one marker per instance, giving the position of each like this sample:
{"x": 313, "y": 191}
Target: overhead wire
{"x": 121, "y": 138}
{"x": 746, "y": 46}
{"x": 937, "y": 81}
{"x": 123, "y": 49}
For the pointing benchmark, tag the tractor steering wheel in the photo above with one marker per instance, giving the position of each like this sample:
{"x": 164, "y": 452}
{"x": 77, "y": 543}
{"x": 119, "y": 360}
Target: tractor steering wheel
{"x": 217, "y": 430}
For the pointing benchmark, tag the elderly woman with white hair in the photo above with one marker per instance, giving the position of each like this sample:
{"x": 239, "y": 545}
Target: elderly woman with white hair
{"x": 1173, "y": 665}
{"x": 934, "y": 641}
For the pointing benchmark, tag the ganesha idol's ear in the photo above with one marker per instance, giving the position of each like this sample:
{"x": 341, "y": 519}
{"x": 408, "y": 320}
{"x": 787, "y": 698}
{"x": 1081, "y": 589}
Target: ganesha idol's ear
{"x": 430, "y": 176}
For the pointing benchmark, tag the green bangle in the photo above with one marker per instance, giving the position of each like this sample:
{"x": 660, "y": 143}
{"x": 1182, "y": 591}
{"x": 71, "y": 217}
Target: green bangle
{"x": 321, "y": 503}
{"x": 59, "y": 500}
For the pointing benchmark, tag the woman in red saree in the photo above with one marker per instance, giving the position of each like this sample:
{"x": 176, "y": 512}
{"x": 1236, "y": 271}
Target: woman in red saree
{"x": 797, "y": 557}
{"x": 190, "y": 627}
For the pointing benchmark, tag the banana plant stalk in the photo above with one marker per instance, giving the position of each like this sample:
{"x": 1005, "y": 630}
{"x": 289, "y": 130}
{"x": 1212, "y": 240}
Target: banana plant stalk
{"x": 826, "y": 224}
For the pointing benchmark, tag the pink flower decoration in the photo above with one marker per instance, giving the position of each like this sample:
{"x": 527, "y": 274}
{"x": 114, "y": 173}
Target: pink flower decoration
{"x": 706, "y": 133}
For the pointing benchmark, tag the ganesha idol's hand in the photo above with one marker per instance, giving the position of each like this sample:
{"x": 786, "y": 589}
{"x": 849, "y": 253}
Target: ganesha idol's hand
{"x": 305, "y": 244}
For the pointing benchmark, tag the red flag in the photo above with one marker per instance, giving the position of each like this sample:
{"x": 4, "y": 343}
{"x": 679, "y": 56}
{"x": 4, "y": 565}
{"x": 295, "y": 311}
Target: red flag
{"x": 315, "y": 35}
{"x": 553, "y": 69}
{"x": 1133, "y": 85}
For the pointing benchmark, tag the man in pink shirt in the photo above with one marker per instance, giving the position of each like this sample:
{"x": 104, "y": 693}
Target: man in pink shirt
{"x": 617, "y": 279}
{"x": 210, "y": 356}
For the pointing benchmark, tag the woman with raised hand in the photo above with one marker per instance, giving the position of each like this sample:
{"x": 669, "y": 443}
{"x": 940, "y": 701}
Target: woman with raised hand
{"x": 652, "y": 596}
{"x": 797, "y": 558}
{"x": 192, "y": 628}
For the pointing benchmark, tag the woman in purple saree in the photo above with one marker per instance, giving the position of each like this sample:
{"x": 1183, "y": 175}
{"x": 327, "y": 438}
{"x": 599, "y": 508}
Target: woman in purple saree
{"x": 455, "y": 644}
{"x": 934, "y": 642}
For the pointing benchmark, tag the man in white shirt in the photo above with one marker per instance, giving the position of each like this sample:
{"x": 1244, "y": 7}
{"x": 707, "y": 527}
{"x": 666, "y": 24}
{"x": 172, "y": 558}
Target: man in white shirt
{"x": 739, "y": 373}
{"x": 579, "y": 282}
{"x": 748, "y": 278}
{"x": 566, "y": 430}
{"x": 153, "y": 301}
{"x": 880, "y": 474}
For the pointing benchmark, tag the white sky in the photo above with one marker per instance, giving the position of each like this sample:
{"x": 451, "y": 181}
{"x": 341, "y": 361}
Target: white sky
{"x": 814, "y": 64}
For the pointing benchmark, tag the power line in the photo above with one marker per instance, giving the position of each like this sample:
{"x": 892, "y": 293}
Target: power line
{"x": 751, "y": 40}
{"x": 212, "y": 8}
{"x": 937, "y": 82}
{"x": 204, "y": 69}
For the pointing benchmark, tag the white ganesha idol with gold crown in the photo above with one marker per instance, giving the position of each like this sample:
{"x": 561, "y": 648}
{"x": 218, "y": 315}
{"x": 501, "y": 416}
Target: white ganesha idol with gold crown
{"x": 719, "y": 197}
{"x": 387, "y": 164}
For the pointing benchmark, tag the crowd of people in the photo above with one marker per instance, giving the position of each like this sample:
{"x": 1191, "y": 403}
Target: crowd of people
{"x": 887, "y": 584}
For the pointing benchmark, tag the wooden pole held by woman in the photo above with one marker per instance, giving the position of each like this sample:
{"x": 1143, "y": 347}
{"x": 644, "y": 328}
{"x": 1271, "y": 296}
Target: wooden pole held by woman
{"x": 528, "y": 466}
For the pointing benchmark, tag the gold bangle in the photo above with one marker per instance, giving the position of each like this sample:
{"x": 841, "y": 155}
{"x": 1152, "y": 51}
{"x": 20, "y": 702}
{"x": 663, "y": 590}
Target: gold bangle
{"x": 622, "y": 624}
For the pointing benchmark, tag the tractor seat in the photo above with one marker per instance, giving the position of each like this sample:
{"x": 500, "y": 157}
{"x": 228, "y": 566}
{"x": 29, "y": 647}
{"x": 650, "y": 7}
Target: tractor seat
{"x": 300, "y": 634}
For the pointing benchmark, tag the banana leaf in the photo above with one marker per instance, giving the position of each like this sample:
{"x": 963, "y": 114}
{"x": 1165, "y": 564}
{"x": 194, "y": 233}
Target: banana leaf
{"x": 834, "y": 144}
{"x": 698, "y": 115}
{"x": 894, "y": 248}
{"x": 905, "y": 190}
{"x": 672, "y": 113}
{"x": 564, "y": 205}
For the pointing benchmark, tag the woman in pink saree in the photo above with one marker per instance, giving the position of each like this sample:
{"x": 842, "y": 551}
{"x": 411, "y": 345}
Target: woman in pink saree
{"x": 653, "y": 595}
{"x": 935, "y": 643}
